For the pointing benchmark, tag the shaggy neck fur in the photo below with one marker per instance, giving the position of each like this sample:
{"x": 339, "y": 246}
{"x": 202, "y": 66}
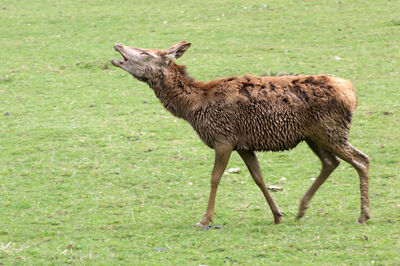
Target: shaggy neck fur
{"x": 174, "y": 88}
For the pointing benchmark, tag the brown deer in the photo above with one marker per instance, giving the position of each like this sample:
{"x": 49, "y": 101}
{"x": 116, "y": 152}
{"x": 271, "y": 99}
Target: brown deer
{"x": 249, "y": 113}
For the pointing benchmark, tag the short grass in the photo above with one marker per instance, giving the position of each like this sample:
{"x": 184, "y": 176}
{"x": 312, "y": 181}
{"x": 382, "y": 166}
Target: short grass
{"x": 94, "y": 171}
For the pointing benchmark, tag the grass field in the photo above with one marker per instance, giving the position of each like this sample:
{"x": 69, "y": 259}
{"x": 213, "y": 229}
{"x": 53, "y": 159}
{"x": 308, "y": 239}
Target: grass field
{"x": 93, "y": 170}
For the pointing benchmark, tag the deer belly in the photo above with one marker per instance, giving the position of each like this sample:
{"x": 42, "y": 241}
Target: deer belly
{"x": 248, "y": 129}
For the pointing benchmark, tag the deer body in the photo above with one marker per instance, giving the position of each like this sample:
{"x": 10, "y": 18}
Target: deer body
{"x": 250, "y": 113}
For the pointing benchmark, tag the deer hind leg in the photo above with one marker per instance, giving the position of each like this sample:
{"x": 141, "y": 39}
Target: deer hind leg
{"x": 329, "y": 163}
{"x": 250, "y": 159}
{"x": 222, "y": 154}
{"x": 360, "y": 162}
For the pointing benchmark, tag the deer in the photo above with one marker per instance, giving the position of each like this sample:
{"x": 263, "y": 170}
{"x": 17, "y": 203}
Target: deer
{"x": 250, "y": 114}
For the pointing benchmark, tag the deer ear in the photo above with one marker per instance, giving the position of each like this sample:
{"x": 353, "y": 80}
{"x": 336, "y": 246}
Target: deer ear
{"x": 177, "y": 50}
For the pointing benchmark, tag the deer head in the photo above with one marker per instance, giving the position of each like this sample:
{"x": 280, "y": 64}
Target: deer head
{"x": 142, "y": 63}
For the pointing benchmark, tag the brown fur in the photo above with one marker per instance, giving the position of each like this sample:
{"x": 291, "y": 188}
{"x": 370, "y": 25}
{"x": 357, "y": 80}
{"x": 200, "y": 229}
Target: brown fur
{"x": 250, "y": 113}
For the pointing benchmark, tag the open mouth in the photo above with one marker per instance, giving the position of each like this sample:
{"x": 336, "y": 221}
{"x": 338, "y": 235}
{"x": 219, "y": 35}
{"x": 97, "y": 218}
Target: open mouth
{"x": 115, "y": 62}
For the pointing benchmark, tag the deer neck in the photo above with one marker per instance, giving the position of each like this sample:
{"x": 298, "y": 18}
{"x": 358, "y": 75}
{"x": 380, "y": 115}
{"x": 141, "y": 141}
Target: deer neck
{"x": 175, "y": 89}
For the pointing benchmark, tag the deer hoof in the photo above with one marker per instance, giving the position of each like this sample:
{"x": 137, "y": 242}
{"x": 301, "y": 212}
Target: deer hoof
{"x": 199, "y": 224}
{"x": 300, "y": 214}
{"x": 277, "y": 219}
{"x": 203, "y": 223}
{"x": 302, "y": 209}
{"x": 363, "y": 218}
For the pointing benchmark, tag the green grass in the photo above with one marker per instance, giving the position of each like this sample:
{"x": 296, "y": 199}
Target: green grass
{"x": 94, "y": 171}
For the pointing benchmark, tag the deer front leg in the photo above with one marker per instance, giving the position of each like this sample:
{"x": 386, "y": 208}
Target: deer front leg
{"x": 250, "y": 159}
{"x": 222, "y": 154}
